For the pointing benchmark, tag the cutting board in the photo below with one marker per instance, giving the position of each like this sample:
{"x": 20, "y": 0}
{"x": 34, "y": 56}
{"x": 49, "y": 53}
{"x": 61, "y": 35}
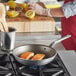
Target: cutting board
{"x": 38, "y": 24}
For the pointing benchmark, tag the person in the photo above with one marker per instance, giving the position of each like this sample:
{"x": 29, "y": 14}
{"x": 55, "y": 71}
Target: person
{"x": 67, "y": 13}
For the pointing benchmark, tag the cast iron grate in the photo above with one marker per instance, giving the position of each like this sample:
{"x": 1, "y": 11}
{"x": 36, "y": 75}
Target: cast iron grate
{"x": 10, "y": 67}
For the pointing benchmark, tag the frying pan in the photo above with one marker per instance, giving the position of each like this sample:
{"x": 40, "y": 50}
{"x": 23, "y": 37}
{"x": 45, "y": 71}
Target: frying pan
{"x": 50, "y": 53}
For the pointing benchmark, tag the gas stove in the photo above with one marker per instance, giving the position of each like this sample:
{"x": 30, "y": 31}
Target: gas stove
{"x": 10, "y": 67}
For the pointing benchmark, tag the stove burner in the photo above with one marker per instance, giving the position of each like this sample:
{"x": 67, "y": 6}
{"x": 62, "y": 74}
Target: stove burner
{"x": 10, "y": 67}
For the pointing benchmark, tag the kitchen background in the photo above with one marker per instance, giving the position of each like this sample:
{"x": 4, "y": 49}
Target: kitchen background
{"x": 63, "y": 65}
{"x": 49, "y": 3}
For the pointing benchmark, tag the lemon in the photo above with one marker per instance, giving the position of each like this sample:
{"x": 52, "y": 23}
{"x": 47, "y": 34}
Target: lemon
{"x": 52, "y": 6}
{"x": 11, "y": 4}
{"x": 24, "y": 6}
{"x": 30, "y": 14}
{"x": 12, "y": 14}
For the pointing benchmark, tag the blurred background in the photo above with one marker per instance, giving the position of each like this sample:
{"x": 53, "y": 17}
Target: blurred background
{"x": 48, "y": 4}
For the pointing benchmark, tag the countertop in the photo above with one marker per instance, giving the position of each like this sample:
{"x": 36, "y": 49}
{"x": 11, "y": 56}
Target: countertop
{"x": 38, "y": 38}
{"x": 69, "y": 60}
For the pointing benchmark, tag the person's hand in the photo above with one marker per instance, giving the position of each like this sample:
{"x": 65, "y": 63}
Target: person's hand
{"x": 38, "y": 9}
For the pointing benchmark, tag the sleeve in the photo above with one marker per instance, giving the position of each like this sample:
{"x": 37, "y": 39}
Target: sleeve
{"x": 69, "y": 9}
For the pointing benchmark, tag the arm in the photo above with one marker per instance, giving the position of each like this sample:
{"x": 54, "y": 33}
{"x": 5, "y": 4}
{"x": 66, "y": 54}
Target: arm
{"x": 57, "y": 12}
{"x": 67, "y": 10}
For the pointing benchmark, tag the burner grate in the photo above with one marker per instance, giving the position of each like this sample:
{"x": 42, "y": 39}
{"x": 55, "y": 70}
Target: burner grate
{"x": 10, "y": 67}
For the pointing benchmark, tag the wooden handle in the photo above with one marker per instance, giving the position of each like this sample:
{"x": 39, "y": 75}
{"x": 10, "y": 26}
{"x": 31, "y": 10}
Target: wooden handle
{"x": 4, "y": 27}
{"x": 2, "y": 18}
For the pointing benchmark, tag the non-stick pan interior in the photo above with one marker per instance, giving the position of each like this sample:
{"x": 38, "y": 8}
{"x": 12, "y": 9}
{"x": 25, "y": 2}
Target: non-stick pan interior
{"x": 37, "y": 49}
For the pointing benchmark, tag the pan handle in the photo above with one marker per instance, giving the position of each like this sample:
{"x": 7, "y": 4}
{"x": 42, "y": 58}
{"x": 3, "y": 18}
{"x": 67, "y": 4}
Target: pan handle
{"x": 59, "y": 40}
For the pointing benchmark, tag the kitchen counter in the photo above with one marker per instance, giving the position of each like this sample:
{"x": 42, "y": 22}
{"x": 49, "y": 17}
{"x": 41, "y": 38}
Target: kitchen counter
{"x": 69, "y": 60}
{"x": 38, "y": 38}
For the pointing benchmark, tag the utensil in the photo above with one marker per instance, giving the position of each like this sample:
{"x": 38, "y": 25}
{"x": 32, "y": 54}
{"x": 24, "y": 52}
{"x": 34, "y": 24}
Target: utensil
{"x": 4, "y": 28}
{"x": 8, "y": 39}
{"x": 49, "y": 51}
{"x": 3, "y": 18}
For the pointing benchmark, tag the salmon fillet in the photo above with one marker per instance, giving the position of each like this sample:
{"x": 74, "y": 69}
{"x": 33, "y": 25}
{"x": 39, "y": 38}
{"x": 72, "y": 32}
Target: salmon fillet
{"x": 27, "y": 55}
{"x": 38, "y": 57}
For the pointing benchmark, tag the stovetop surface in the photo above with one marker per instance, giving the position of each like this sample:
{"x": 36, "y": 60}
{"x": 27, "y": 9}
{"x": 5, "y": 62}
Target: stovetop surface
{"x": 10, "y": 67}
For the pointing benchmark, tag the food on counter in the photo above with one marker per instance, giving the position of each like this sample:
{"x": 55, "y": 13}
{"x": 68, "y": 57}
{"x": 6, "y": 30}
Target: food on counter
{"x": 12, "y": 4}
{"x": 52, "y": 6}
{"x": 38, "y": 57}
{"x": 30, "y": 14}
{"x": 27, "y": 55}
{"x": 15, "y": 9}
{"x": 24, "y": 6}
{"x": 12, "y": 14}
{"x": 18, "y": 9}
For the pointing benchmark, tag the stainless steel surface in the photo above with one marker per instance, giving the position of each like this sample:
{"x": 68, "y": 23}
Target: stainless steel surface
{"x": 8, "y": 39}
{"x": 69, "y": 60}
{"x": 68, "y": 57}
{"x": 38, "y": 38}
{"x": 49, "y": 52}
{"x": 59, "y": 40}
